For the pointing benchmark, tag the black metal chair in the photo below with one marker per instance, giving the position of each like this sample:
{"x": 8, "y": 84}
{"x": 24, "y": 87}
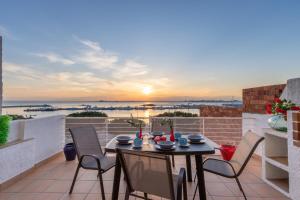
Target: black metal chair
{"x": 151, "y": 174}
{"x": 234, "y": 167}
{"x": 89, "y": 153}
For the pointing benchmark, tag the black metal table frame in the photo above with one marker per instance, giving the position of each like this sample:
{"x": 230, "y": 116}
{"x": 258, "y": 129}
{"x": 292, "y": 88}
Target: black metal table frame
{"x": 199, "y": 169}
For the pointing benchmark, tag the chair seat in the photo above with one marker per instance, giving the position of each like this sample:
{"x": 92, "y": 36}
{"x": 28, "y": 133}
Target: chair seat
{"x": 106, "y": 162}
{"x": 219, "y": 167}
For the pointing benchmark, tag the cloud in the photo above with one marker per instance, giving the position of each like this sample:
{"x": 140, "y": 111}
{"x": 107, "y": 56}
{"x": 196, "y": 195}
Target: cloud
{"x": 113, "y": 77}
{"x": 93, "y": 45}
{"x": 21, "y": 71}
{"x": 55, "y": 58}
{"x": 83, "y": 79}
{"x": 94, "y": 56}
{"x": 129, "y": 69}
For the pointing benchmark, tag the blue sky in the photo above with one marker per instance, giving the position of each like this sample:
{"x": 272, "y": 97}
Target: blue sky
{"x": 172, "y": 49}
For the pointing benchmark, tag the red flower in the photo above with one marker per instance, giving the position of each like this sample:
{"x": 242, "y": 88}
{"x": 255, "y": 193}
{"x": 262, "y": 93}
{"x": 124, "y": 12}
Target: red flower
{"x": 279, "y": 110}
{"x": 295, "y": 108}
{"x": 277, "y": 100}
{"x": 269, "y": 108}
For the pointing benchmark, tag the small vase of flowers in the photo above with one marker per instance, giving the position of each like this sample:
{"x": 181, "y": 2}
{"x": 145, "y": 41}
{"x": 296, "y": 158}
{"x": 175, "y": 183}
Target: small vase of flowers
{"x": 170, "y": 123}
{"x": 279, "y": 110}
{"x": 139, "y": 124}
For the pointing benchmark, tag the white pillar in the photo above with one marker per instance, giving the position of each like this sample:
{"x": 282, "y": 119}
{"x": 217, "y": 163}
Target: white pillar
{"x": 293, "y": 90}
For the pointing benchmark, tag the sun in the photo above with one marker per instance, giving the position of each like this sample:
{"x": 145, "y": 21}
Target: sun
{"x": 147, "y": 90}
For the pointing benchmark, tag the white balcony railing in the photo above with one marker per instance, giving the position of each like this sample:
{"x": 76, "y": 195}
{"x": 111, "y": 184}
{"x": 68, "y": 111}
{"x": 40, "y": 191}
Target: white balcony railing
{"x": 219, "y": 129}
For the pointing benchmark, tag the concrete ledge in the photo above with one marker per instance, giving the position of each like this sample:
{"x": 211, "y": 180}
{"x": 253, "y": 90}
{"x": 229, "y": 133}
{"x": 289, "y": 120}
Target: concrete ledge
{"x": 17, "y": 178}
{"x": 15, "y": 142}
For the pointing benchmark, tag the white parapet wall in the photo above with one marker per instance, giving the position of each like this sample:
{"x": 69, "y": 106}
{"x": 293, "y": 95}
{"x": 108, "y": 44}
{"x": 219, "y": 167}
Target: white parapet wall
{"x": 48, "y": 134}
{"x": 30, "y": 142}
{"x": 255, "y": 123}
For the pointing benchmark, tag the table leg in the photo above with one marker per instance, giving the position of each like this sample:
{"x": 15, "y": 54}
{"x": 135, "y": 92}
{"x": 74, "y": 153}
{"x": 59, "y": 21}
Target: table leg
{"x": 117, "y": 177}
{"x": 189, "y": 168}
{"x": 200, "y": 175}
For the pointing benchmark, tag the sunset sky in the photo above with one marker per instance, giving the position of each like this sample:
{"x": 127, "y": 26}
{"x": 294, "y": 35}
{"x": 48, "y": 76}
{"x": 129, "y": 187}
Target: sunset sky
{"x": 146, "y": 50}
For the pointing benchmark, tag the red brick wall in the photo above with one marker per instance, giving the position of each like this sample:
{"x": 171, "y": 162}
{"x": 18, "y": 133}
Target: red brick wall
{"x": 220, "y": 111}
{"x": 296, "y": 128}
{"x": 255, "y": 99}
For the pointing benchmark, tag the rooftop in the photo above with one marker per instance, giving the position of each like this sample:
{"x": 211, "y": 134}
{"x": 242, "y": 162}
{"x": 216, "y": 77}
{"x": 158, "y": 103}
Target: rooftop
{"x": 51, "y": 181}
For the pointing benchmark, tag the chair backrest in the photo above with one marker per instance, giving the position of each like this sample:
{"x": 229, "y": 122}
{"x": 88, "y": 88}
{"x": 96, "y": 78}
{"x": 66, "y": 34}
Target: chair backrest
{"x": 86, "y": 141}
{"x": 244, "y": 151}
{"x": 148, "y": 173}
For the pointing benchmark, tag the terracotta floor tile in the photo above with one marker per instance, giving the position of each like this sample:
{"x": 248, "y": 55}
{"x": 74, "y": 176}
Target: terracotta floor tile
{"x": 248, "y": 177}
{"x": 233, "y": 187}
{"x": 218, "y": 189}
{"x": 18, "y": 186}
{"x": 73, "y": 196}
{"x": 37, "y": 186}
{"x": 88, "y": 175}
{"x": 265, "y": 191}
{"x": 98, "y": 197}
{"x": 224, "y": 198}
{"x": 108, "y": 187}
{"x": 59, "y": 186}
{"x": 52, "y": 182}
{"x": 47, "y": 196}
{"x": 83, "y": 186}
{"x": 34, "y": 196}
{"x": 6, "y": 196}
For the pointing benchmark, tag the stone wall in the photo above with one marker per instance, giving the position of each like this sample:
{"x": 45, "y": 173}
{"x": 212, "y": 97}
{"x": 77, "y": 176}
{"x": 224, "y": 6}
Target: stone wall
{"x": 220, "y": 111}
{"x": 255, "y": 99}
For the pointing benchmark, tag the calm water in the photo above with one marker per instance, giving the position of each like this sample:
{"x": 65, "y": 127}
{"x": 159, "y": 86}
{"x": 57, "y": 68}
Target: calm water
{"x": 110, "y": 113}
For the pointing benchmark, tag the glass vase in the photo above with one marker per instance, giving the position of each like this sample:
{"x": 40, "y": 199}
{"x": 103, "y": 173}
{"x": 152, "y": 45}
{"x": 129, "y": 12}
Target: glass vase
{"x": 278, "y": 122}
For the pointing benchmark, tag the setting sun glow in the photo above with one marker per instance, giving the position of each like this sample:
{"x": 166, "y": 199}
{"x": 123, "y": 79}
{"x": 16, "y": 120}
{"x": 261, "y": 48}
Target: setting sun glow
{"x": 147, "y": 90}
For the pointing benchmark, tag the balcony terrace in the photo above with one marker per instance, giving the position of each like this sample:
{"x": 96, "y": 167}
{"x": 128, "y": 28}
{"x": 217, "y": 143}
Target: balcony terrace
{"x": 52, "y": 180}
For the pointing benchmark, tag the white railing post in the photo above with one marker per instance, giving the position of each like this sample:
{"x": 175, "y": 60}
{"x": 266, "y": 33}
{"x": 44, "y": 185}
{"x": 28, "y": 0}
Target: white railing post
{"x": 149, "y": 123}
{"x": 106, "y": 130}
{"x": 203, "y": 126}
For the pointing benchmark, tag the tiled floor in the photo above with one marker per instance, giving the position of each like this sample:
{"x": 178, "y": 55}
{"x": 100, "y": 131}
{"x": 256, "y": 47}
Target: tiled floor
{"x": 52, "y": 182}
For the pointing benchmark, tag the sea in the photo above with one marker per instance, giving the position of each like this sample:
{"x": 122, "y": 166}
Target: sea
{"x": 19, "y": 107}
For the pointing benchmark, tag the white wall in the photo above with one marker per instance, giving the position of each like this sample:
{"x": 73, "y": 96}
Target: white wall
{"x": 256, "y": 123}
{"x": 15, "y": 159}
{"x": 48, "y": 133}
{"x": 38, "y": 139}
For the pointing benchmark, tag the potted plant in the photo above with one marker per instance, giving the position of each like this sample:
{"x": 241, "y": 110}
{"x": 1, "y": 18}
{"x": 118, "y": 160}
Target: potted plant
{"x": 170, "y": 123}
{"x": 4, "y": 128}
{"x": 279, "y": 110}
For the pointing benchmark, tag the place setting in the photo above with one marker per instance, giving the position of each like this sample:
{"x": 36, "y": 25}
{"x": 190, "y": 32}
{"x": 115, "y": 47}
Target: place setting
{"x": 124, "y": 140}
{"x": 196, "y": 139}
{"x": 165, "y": 145}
